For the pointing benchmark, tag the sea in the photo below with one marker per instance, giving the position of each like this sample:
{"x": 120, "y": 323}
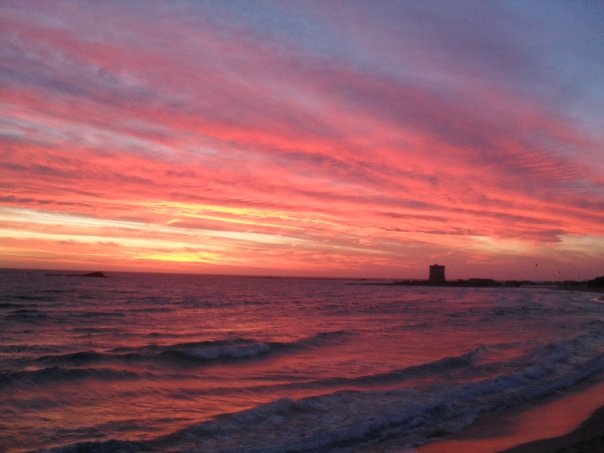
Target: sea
{"x": 191, "y": 363}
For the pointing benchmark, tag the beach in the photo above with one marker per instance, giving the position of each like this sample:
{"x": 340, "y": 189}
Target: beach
{"x": 588, "y": 437}
{"x": 570, "y": 422}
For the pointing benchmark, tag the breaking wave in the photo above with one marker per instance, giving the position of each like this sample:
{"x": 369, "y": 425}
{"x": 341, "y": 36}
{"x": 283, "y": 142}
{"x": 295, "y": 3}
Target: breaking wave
{"x": 350, "y": 418}
{"x": 197, "y": 352}
{"x": 345, "y": 419}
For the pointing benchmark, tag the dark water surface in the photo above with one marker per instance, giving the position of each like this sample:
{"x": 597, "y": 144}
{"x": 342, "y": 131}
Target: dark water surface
{"x": 199, "y": 363}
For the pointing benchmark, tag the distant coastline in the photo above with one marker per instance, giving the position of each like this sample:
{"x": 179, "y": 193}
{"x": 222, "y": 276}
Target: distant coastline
{"x": 95, "y": 274}
{"x": 596, "y": 284}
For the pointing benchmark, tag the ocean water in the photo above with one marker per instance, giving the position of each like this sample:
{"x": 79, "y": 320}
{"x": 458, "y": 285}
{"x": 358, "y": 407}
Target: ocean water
{"x": 142, "y": 362}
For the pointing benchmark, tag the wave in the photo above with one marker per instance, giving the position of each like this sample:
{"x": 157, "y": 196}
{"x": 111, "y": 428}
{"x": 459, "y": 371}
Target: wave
{"x": 349, "y": 419}
{"x": 218, "y": 350}
{"x": 87, "y": 315}
{"x": 26, "y": 314}
{"x": 196, "y": 352}
{"x": 55, "y": 291}
{"x": 58, "y": 374}
{"x": 444, "y": 365}
{"x": 13, "y": 305}
{"x": 233, "y": 350}
{"x": 80, "y": 357}
{"x": 33, "y": 297}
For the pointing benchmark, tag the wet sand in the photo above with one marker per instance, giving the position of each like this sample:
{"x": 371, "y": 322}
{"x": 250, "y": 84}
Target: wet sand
{"x": 569, "y": 422}
{"x": 587, "y": 438}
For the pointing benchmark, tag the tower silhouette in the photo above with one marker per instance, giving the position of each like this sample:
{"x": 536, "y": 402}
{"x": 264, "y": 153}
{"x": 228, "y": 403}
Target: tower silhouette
{"x": 437, "y": 274}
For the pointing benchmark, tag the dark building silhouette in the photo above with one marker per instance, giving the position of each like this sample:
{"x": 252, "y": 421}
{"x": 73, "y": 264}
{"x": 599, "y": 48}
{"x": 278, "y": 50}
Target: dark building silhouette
{"x": 437, "y": 274}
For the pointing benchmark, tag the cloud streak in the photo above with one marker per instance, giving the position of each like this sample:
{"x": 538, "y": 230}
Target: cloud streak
{"x": 297, "y": 139}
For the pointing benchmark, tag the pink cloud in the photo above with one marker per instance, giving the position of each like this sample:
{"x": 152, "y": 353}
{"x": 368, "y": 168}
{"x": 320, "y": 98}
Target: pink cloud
{"x": 338, "y": 167}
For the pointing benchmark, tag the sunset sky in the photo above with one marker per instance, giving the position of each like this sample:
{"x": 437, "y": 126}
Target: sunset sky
{"x": 318, "y": 138}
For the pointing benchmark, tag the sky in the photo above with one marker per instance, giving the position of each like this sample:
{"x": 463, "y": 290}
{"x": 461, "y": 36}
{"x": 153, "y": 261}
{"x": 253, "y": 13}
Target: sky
{"x": 304, "y": 138}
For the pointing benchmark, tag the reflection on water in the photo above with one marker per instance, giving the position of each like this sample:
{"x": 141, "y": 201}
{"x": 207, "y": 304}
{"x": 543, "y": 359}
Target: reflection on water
{"x": 313, "y": 364}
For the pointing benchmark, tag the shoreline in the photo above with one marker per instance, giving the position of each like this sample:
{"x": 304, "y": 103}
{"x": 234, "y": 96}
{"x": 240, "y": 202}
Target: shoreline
{"x": 587, "y": 437}
{"x": 562, "y": 423}
{"x": 486, "y": 284}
